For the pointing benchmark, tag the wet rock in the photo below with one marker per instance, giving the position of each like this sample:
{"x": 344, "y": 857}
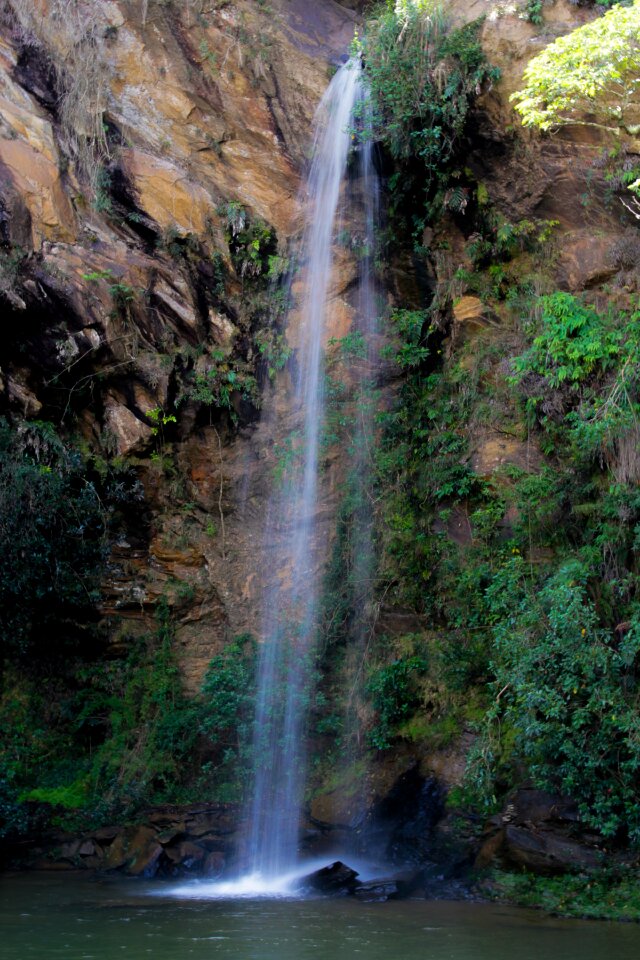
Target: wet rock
{"x": 170, "y": 834}
{"x": 377, "y": 891}
{"x": 400, "y": 826}
{"x": 214, "y": 864}
{"x": 190, "y": 854}
{"x": 546, "y": 852}
{"x": 145, "y": 863}
{"x": 117, "y": 854}
{"x": 539, "y": 831}
{"x": 335, "y": 880}
{"x": 107, "y": 834}
{"x": 69, "y": 851}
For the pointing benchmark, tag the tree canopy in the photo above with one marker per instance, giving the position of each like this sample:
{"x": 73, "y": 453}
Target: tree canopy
{"x": 594, "y": 70}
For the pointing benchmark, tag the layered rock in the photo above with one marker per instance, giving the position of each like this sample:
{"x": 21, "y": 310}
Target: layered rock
{"x": 117, "y": 286}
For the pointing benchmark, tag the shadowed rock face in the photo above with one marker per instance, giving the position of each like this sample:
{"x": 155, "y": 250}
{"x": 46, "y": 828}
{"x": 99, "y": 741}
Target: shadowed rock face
{"x": 540, "y": 832}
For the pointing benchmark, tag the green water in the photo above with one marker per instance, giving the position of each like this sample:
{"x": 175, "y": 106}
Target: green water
{"x": 57, "y": 916}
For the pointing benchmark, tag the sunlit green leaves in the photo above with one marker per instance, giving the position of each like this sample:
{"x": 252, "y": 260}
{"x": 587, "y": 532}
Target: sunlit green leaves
{"x": 594, "y": 69}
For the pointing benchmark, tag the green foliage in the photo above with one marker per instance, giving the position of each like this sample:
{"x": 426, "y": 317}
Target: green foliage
{"x": 600, "y": 895}
{"x": 226, "y": 714}
{"x": 252, "y": 244}
{"x": 394, "y": 695}
{"x": 412, "y": 329}
{"x": 570, "y": 692}
{"x": 221, "y": 383}
{"x": 534, "y": 11}
{"x": 24, "y": 741}
{"x": 94, "y": 744}
{"x": 11, "y": 261}
{"x": 423, "y": 77}
{"x": 590, "y": 361}
{"x": 159, "y": 419}
{"x": 52, "y": 529}
{"x": 274, "y": 350}
{"x": 574, "y": 341}
{"x": 150, "y": 725}
{"x": 528, "y": 577}
{"x": 70, "y": 797}
{"x": 595, "y": 70}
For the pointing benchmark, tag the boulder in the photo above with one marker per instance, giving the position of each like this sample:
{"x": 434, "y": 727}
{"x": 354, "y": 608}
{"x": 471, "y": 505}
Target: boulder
{"x": 377, "y": 891}
{"x": 117, "y": 854}
{"x": 336, "y": 880}
{"x": 130, "y": 433}
{"x": 145, "y": 862}
{"x": 540, "y": 832}
{"x": 190, "y": 854}
{"x": 143, "y": 851}
{"x": 546, "y": 852}
{"x": 214, "y": 864}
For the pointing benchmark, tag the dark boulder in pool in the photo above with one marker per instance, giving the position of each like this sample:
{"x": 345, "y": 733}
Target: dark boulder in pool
{"x": 336, "y": 880}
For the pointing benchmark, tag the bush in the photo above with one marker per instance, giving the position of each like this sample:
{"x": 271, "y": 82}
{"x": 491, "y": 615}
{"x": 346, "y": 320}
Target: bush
{"x": 574, "y": 342}
{"x": 570, "y": 690}
{"x": 423, "y": 77}
{"x": 394, "y": 696}
{"x": 591, "y": 70}
{"x": 52, "y": 538}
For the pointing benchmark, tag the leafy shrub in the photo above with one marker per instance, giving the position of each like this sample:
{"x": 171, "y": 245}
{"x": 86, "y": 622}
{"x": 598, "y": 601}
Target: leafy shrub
{"x": 226, "y": 713}
{"x": 574, "y": 342}
{"x": 52, "y": 529}
{"x": 394, "y": 696}
{"x": 570, "y": 690}
{"x": 589, "y": 70}
{"x": 252, "y": 244}
{"x": 423, "y": 77}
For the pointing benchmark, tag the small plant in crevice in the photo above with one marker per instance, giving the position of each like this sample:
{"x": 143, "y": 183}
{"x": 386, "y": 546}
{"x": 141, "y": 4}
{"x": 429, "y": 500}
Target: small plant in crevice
{"x": 160, "y": 420}
{"x": 12, "y": 259}
{"x": 221, "y": 382}
{"x": 252, "y": 243}
{"x": 534, "y": 12}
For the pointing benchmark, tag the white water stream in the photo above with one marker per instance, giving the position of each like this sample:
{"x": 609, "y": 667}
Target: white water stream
{"x": 290, "y": 596}
{"x": 293, "y": 551}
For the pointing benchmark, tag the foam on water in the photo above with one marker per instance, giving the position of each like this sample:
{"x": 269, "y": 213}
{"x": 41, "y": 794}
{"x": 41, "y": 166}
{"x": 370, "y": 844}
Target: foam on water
{"x": 256, "y": 886}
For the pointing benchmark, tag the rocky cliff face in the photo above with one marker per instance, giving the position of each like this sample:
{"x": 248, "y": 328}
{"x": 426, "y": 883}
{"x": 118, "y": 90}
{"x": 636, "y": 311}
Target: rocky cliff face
{"x": 118, "y": 282}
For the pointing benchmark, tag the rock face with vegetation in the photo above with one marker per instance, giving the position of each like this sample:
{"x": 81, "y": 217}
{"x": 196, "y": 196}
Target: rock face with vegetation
{"x": 151, "y": 155}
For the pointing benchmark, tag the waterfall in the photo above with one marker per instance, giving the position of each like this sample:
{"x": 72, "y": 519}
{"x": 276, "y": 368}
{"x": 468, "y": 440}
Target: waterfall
{"x": 294, "y": 555}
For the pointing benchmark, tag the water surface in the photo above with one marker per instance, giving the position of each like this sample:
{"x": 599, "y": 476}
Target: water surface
{"x": 62, "y": 916}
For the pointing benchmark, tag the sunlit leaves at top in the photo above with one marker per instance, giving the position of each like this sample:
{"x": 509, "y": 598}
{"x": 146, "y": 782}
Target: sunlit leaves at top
{"x": 594, "y": 70}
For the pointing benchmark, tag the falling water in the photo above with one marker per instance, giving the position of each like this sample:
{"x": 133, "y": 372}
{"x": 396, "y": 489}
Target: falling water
{"x": 294, "y": 553}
